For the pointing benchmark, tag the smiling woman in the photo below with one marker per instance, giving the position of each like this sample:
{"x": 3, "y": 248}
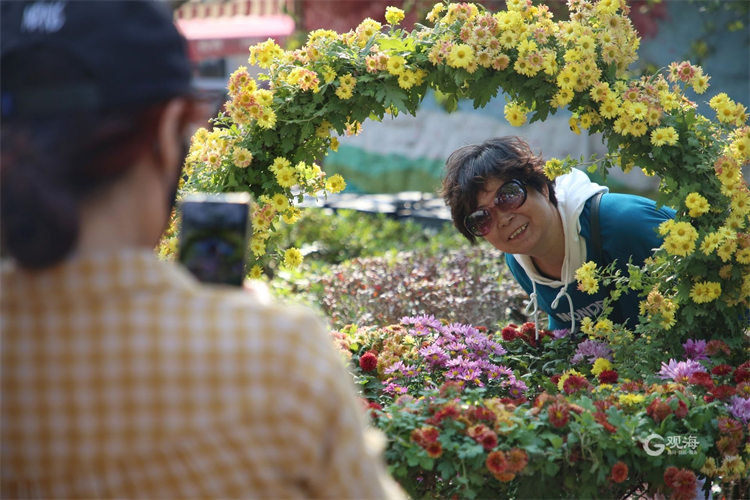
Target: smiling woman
{"x": 547, "y": 232}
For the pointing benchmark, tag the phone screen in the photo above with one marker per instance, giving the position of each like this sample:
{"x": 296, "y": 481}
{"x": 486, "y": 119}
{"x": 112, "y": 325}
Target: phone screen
{"x": 213, "y": 238}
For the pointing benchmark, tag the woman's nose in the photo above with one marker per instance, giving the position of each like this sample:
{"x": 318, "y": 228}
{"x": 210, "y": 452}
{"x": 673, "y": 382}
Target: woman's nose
{"x": 503, "y": 218}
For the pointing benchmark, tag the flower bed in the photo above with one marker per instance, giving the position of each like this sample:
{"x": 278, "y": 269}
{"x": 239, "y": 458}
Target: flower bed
{"x": 473, "y": 413}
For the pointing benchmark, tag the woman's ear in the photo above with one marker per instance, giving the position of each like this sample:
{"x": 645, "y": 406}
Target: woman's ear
{"x": 169, "y": 140}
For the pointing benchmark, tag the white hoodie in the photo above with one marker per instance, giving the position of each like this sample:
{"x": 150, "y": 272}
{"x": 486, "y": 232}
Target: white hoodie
{"x": 572, "y": 191}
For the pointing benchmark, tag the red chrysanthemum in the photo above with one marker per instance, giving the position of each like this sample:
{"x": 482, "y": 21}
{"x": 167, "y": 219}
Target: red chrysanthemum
{"x": 608, "y": 377}
{"x": 509, "y": 333}
{"x": 476, "y": 431}
{"x": 723, "y": 392}
{"x": 669, "y": 474}
{"x": 488, "y": 440}
{"x": 742, "y": 373}
{"x": 702, "y": 379}
{"x": 517, "y": 460}
{"x": 449, "y": 410}
{"x": 505, "y": 476}
{"x": 368, "y": 362}
{"x": 728, "y": 425}
{"x": 416, "y": 436}
{"x": 496, "y": 462}
{"x": 480, "y": 413}
{"x": 632, "y": 386}
{"x": 435, "y": 449}
{"x": 684, "y": 483}
{"x": 681, "y": 410}
{"x": 575, "y": 383}
{"x": 658, "y": 410}
{"x": 373, "y": 408}
{"x": 743, "y": 390}
{"x": 528, "y": 328}
{"x": 555, "y": 379}
{"x": 619, "y": 472}
{"x": 720, "y": 370}
{"x": 430, "y": 434}
{"x": 558, "y": 414}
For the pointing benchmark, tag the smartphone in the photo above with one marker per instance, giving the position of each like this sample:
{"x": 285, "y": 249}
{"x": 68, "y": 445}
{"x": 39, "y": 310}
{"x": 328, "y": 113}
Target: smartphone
{"x": 214, "y": 235}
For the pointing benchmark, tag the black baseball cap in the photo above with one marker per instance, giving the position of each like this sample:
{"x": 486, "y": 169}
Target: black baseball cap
{"x": 131, "y": 49}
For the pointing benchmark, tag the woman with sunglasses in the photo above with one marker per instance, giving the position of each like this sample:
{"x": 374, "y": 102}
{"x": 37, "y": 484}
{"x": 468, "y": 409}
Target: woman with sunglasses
{"x": 497, "y": 190}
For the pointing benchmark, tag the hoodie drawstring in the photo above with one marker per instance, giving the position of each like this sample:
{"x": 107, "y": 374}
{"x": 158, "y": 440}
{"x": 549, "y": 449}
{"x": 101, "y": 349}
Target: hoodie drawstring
{"x": 564, "y": 293}
{"x": 536, "y": 309}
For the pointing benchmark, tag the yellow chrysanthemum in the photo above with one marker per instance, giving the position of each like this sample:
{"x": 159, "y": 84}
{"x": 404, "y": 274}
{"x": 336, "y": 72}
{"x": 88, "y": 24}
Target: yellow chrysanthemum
{"x": 256, "y": 272}
{"x": 515, "y": 114}
{"x": 697, "y": 204}
{"x": 291, "y": 215}
{"x": 432, "y": 16}
{"x": 396, "y": 65}
{"x": 710, "y": 243}
{"x": 393, "y": 15}
{"x": 286, "y": 177}
{"x": 461, "y": 55}
{"x": 664, "y": 135}
{"x": 586, "y": 278}
{"x": 278, "y": 163}
{"x": 407, "y": 79}
{"x": 610, "y": 108}
{"x": 587, "y": 326}
{"x": 743, "y": 255}
{"x": 700, "y": 82}
{"x": 562, "y": 98}
{"x": 242, "y": 157}
{"x": 600, "y": 365}
{"x": 573, "y": 123}
{"x": 631, "y": 399}
{"x": 279, "y": 202}
{"x": 705, "y": 291}
{"x": 335, "y": 184}
{"x": 554, "y": 168}
{"x": 567, "y": 78}
{"x": 604, "y": 326}
{"x": 292, "y": 257}
{"x": 258, "y": 247}
{"x": 267, "y": 118}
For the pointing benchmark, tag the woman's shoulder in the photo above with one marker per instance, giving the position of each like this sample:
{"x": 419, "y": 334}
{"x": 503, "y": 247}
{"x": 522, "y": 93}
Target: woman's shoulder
{"x": 631, "y": 210}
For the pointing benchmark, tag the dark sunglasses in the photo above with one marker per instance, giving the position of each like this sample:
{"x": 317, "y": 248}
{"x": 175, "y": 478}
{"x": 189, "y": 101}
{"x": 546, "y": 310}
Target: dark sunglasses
{"x": 509, "y": 196}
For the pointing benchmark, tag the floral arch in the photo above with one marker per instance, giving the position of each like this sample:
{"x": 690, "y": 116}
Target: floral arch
{"x": 274, "y": 129}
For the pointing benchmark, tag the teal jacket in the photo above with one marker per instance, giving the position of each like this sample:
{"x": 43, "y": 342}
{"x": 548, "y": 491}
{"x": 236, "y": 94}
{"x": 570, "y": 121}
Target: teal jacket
{"x": 628, "y": 229}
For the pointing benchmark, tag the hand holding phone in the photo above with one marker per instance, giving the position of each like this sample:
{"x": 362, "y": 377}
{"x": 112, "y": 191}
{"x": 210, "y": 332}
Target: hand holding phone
{"x": 213, "y": 237}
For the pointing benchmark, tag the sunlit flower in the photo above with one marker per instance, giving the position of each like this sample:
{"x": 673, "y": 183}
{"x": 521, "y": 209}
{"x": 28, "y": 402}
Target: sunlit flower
{"x": 292, "y": 257}
{"x": 393, "y": 15}
{"x": 697, "y": 204}
{"x": 460, "y": 56}
{"x": 515, "y": 114}
{"x": 664, "y": 135}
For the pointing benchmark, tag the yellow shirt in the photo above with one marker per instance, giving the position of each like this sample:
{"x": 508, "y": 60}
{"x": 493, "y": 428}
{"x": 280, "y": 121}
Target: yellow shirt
{"x": 124, "y": 377}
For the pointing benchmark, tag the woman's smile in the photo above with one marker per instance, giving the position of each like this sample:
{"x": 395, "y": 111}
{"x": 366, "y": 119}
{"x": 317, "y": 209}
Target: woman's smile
{"x": 518, "y": 232}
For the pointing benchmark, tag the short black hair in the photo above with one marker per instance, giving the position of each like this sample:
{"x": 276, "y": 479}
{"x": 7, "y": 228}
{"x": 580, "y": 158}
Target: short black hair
{"x": 469, "y": 168}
